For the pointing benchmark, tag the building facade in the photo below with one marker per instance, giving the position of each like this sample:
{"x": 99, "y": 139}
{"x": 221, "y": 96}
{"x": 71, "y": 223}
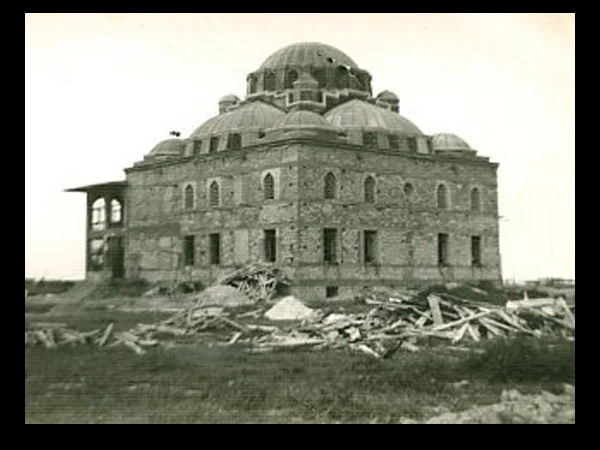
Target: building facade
{"x": 310, "y": 172}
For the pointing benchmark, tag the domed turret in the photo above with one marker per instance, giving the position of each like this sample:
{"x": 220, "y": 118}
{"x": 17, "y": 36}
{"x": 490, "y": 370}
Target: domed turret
{"x": 388, "y": 100}
{"x": 227, "y": 102}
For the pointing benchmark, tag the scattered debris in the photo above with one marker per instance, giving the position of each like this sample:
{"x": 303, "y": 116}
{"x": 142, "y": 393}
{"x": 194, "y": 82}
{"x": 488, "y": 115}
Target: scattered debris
{"x": 397, "y": 320}
{"x": 258, "y": 281}
{"x": 223, "y": 295}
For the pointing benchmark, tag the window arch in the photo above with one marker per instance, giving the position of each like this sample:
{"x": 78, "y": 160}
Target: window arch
{"x": 214, "y": 194}
{"x": 269, "y": 186}
{"x": 442, "y": 197}
{"x": 252, "y": 85}
{"x": 408, "y": 189}
{"x": 290, "y": 78}
{"x": 475, "y": 200}
{"x": 99, "y": 214}
{"x": 116, "y": 211}
{"x": 269, "y": 81}
{"x": 369, "y": 188}
{"x": 188, "y": 197}
{"x": 330, "y": 186}
{"x": 234, "y": 142}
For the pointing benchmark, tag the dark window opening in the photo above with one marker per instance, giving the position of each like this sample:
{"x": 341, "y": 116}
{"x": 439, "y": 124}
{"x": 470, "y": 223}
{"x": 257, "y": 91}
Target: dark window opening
{"x": 370, "y": 246}
{"x": 214, "y": 194}
{"x": 96, "y": 255}
{"x": 475, "y": 200}
{"x": 370, "y": 139}
{"x": 408, "y": 189}
{"x": 331, "y": 291}
{"x": 442, "y": 197}
{"x": 234, "y": 142}
{"x": 394, "y": 142}
{"x": 476, "y": 251}
{"x": 429, "y": 147}
{"x": 214, "y": 248}
{"x": 270, "y": 81}
{"x": 99, "y": 215}
{"x": 412, "y": 144}
{"x": 290, "y": 97}
{"x": 269, "y": 186}
{"x": 330, "y": 186}
{"x": 116, "y": 211}
{"x": 306, "y": 95}
{"x": 319, "y": 75}
{"x": 330, "y": 245}
{"x": 342, "y": 78}
{"x": 189, "y": 197}
{"x": 188, "y": 251}
{"x": 290, "y": 78}
{"x": 261, "y": 134}
{"x": 214, "y": 144}
{"x": 442, "y": 249}
{"x": 320, "y": 97}
{"x": 270, "y": 245}
{"x": 252, "y": 85}
{"x": 369, "y": 189}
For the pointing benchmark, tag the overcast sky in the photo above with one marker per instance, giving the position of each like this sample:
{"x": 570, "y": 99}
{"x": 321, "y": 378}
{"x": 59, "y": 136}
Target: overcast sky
{"x": 102, "y": 89}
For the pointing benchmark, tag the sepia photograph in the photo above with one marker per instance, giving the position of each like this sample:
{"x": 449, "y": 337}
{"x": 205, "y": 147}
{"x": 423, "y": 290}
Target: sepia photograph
{"x": 274, "y": 218}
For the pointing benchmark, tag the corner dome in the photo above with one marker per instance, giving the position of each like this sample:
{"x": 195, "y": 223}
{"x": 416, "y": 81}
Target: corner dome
{"x": 229, "y": 98}
{"x": 168, "y": 147}
{"x": 307, "y": 54}
{"x": 303, "y": 119}
{"x": 249, "y": 116}
{"x": 360, "y": 114}
{"x": 387, "y": 95}
{"x": 449, "y": 141}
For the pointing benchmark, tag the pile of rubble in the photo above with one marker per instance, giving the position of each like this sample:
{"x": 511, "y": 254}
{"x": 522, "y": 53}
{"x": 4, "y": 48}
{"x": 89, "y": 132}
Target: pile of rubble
{"x": 259, "y": 282}
{"x": 396, "y": 320}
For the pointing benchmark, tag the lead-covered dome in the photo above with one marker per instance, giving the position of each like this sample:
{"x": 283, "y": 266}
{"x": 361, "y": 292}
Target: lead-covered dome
{"x": 167, "y": 148}
{"x": 449, "y": 141}
{"x": 250, "y": 116}
{"x": 307, "y": 54}
{"x": 360, "y": 114}
{"x": 303, "y": 119}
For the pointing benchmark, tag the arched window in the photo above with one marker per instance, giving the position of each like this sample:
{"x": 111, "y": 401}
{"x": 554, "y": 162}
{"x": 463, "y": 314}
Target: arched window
{"x": 408, "y": 189}
{"x": 269, "y": 81}
{"x": 116, "y": 211}
{"x": 234, "y": 142}
{"x": 442, "y": 197}
{"x": 369, "y": 189}
{"x": 269, "y": 186}
{"x": 330, "y": 186}
{"x": 290, "y": 77}
{"x": 475, "y": 200}
{"x": 342, "y": 78}
{"x": 99, "y": 214}
{"x": 213, "y": 194}
{"x": 188, "y": 198}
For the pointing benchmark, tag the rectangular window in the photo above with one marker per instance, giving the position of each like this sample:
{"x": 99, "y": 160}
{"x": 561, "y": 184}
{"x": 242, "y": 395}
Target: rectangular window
{"x": 270, "y": 245}
{"x": 330, "y": 245}
{"x": 197, "y": 147}
{"x": 214, "y": 144}
{"x": 370, "y": 139}
{"x": 412, "y": 144}
{"x": 442, "y": 249}
{"x": 370, "y": 246}
{"x": 331, "y": 291}
{"x": 215, "y": 248}
{"x": 188, "y": 251}
{"x": 394, "y": 142}
{"x": 476, "y": 251}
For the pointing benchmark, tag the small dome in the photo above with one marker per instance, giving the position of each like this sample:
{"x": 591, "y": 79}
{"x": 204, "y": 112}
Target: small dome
{"x": 387, "y": 96}
{"x": 168, "y": 147}
{"x": 449, "y": 141}
{"x": 307, "y": 54}
{"x": 230, "y": 98}
{"x": 302, "y": 119}
{"x": 360, "y": 114}
{"x": 250, "y": 116}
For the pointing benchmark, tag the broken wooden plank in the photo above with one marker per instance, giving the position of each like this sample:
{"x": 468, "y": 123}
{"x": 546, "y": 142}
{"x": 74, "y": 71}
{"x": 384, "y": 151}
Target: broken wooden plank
{"x": 473, "y": 332}
{"x": 233, "y": 324}
{"x": 490, "y": 327}
{"x": 106, "y": 334}
{"x": 461, "y": 321}
{"x": 364, "y": 349}
{"x": 133, "y": 346}
{"x": 409, "y": 347}
{"x": 567, "y": 311}
{"x": 434, "y": 306}
{"x": 235, "y": 338}
{"x": 460, "y": 333}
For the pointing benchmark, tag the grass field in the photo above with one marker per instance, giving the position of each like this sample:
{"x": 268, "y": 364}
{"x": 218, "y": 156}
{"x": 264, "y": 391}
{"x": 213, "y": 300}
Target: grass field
{"x": 203, "y": 384}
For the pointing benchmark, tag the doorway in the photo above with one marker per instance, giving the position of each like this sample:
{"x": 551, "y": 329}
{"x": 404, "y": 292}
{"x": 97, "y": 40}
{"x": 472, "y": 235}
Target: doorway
{"x": 116, "y": 256}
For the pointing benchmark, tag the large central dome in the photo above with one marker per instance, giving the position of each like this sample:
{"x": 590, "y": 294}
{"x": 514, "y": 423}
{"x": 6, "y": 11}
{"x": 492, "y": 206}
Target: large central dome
{"x": 307, "y": 54}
